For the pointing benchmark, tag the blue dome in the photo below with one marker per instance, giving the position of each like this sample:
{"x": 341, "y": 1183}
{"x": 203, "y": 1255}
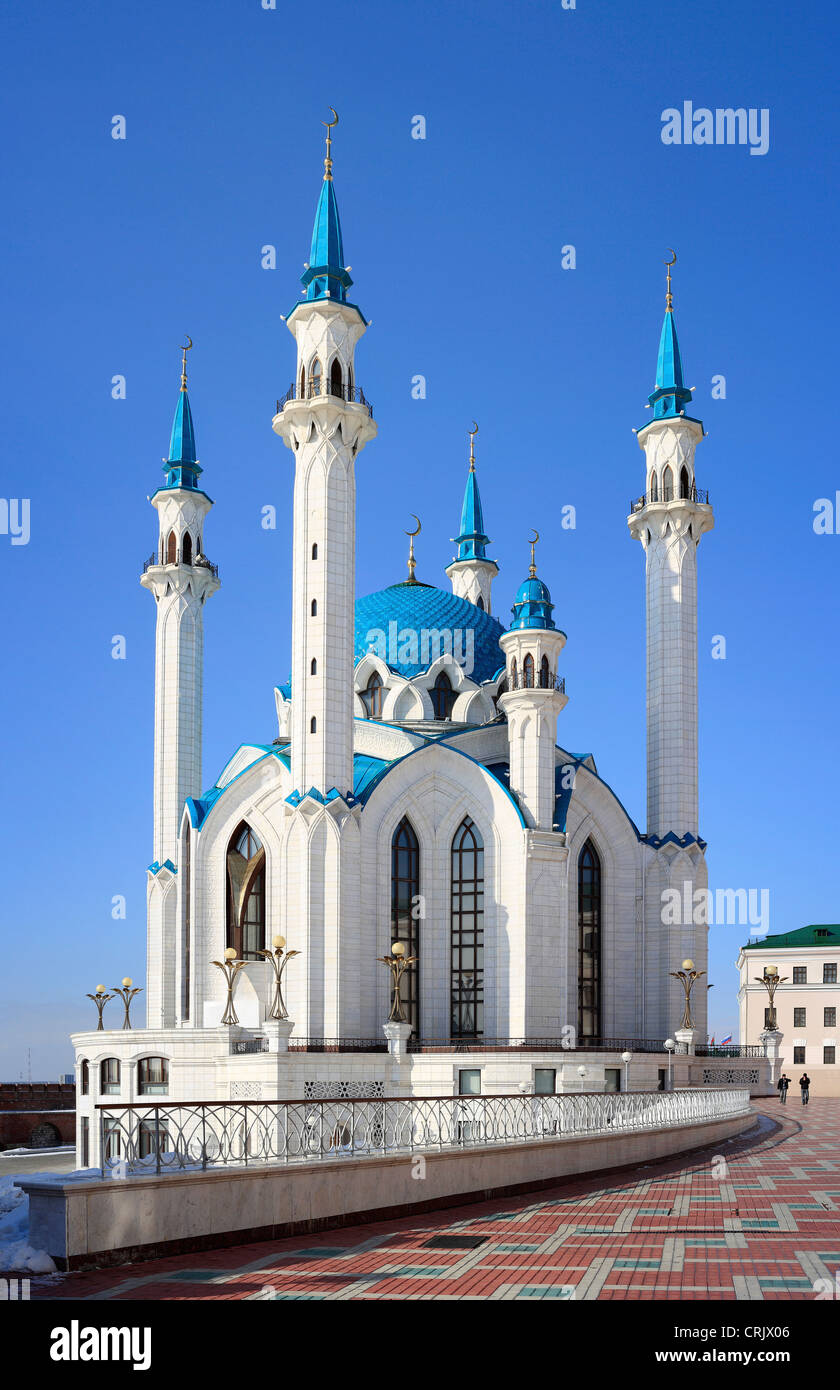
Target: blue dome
{"x": 532, "y": 606}
{"x": 398, "y": 623}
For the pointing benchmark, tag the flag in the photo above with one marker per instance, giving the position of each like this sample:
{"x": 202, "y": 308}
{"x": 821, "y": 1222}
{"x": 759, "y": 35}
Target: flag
{"x": 712, "y": 1041}
{"x": 725, "y": 1041}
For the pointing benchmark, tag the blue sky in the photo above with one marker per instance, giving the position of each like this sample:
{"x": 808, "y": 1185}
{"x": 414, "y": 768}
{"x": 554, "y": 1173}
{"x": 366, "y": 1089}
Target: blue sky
{"x": 543, "y": 129}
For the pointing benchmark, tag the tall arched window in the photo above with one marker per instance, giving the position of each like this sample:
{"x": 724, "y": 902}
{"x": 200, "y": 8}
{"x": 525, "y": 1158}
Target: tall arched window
{"x": 336, "y": 383}
{"x": 109, "y": 1076}
{"x": 513, "y": 674}
{"x": 153, "y": 1076}
{"x": 654, "y": 488}
{"x": 405, "y": 924}
{"x": 313, "y": 608}
{"x": 315, "y": 551}
{"x": 668, "y": 484}
{"x": 313, "y": 725}
{"x": 545, "y": 674}
{"x": 479, "y": 603}
{"x": 313, "y": 667}
{"x": 589, "y": 942}
{"x": 302, "y": 382}
{"x": 84, "y": 1077}
{"x": 372, "y": 697}
{"x": 528, "y": 672}
{"x": 684, "y": 483}
{"x": 246, "y": 893}
{"x": 186, "y": 549}
{"x": 315, "y": 378}
{"x": 443, "y": 697}
{"x": 467, "y": 932}
{"x": 171, "y": 549}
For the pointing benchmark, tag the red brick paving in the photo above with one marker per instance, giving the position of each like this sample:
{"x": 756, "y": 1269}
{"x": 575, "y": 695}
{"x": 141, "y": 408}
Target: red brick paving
{"x": 758, "y": 1218}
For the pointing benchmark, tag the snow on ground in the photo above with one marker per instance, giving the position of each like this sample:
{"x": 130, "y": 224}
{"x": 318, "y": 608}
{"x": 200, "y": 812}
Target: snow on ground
{"x": 15, "y": 1251}
{"x": 28, "y": 1153}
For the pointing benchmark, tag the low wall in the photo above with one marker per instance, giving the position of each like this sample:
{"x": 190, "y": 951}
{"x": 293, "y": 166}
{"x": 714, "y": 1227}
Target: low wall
{"x": 40, "y": 1114}
{"x": 95, "y": 1223}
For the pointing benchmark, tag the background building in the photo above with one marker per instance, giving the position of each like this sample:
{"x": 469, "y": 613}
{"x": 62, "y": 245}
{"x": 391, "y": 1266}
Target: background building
{"x": 807, "y": 1001}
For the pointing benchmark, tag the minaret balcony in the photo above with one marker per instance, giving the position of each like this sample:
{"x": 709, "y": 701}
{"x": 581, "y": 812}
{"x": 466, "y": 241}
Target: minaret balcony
{"x": 353, "y": 395}
{"x": 200, "y": 562}
{"x": 536, "y": 681}
{"x": 693, "y": 494}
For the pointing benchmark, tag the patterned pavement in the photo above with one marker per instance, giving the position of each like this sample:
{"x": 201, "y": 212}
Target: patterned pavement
{"x": 757, "y": 1219}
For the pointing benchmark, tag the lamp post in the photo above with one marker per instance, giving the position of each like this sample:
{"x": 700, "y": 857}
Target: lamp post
{"x": 126, "y": 995}
{"x": 688, "y": 977}
{"x": 230, "y": 968}
{"x": 100, "y": 999}
{"x": 626, "y": 1058}
{"x": 771, "y": 979}
{"x": 669, "y": 1048}
{"x": 581, "y": 1071}
{"x": 398, "y": 962}
{"x": 279, "y": 958}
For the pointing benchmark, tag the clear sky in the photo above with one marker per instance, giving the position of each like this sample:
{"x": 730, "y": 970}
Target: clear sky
{"x": 543, "y": 129}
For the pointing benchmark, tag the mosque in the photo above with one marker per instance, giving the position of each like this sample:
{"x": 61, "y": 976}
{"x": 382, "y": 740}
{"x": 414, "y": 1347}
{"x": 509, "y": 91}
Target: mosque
{"x": 415, "y": 792}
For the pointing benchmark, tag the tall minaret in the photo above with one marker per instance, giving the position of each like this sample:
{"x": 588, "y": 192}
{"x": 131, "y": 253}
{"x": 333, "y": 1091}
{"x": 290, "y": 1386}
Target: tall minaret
{"x": 669, "y": 520}
{"x": 181, "y": 578}
{"x": 326, "y": 421}
{"x": 471, "y": 572}
{"x": 534, "y": 697}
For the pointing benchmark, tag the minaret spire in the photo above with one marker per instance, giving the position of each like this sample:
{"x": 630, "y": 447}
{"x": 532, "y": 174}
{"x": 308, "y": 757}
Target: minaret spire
{"x": 471, "y": 571}
{"x": 326, "y": 276}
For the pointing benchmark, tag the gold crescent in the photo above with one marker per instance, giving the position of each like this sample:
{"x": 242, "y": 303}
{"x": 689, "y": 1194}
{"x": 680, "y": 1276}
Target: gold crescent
{"x": 329, "y": 124}
{"x": 474, "y": 429}
{"x": 536, "y": 536}
{"x": 419, "y": 528}
{"x": 189, "y": 343}
{"x": 674, "y": 254}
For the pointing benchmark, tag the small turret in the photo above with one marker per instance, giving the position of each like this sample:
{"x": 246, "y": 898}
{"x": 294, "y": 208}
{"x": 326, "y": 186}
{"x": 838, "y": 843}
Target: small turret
{"x": 471, "y": 571}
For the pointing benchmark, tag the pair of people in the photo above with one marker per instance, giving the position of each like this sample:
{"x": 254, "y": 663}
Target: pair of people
{"x": 804, "y": 1087}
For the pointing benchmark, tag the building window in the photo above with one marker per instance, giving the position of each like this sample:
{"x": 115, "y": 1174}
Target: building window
{"x": 313, "y": 668}
{"x": 654, "y": 488}
{"x": 684, "y": 485}
{"x": 315, "y": 378}
{"x": 315, "y": 552}
{"x": 612, "y": 1079}
{"x": 800, "y": 975}
{"x": 513, "y": 672}
{"x": 153, "y": 1076}
{"x": 185, "y": 979}
{"x": 186, "y": 549}
{"x": 799, "y": 1056}
{"x": 405, "y": 893}
{"x": 828, "y": 1056}
{"x": 829, "y": 1017}
{"x": 479, "y": 603}
{"x": 667, "y": 484}
{"x": 589, "y": 942}
{"x": 171, "y": 549}
{"x": 799, "y": 1018}
{"x": 246, "y": 894}
{"x": 469, "y": 1081}
{"x": 112, "y": 1138}
{"x": 467, "y": 932}
{"x": 109, "y": 1077}
{"x": 443, "y": 697}
{"x": 528, "y": 672}
{"x": 302, "y": 382}
{"x": 830, "y": 974}
{"x": 545, "y": 1081}
{"x": 85, "y": 1144}
{"x": 372, "y": 697}
{"x": 313, "y": 725}
{"x": 336, "y": 383}
{"x": 313, "y": 608}
{"x": 153, "y": 1138}
{"x": 545, "y": 674}
{"x": 84, "y": 1077}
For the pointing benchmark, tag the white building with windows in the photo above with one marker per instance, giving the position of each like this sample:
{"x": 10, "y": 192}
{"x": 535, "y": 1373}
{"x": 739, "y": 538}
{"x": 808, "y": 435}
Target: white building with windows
{"x": 807, "y": 1001}
{"x": 417, "y": 787}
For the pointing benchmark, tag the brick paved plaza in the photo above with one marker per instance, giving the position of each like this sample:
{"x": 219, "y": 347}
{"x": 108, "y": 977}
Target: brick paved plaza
{"x": 763, "y": 1224}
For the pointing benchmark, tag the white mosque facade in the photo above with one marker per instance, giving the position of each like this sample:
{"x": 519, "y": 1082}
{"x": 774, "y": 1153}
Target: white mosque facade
{"x": 418, "y": 789}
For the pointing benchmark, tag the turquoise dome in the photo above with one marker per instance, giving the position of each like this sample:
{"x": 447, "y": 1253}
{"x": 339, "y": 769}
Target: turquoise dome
{"x": 392, "y": 622}
{"x": 532, "y": 606}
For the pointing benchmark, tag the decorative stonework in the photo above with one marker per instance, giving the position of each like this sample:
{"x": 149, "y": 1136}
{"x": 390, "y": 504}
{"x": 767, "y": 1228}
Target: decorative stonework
{"x": 343, "y": 1090}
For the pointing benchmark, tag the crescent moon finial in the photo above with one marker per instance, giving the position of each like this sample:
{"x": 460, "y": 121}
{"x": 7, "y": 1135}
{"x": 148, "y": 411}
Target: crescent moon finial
{"x": 419, "y": 527}
{"x": 328, "y": 160}
{"x": 472, "y": 434}
{"x": 533, "y": 570}
{"x": 669, "y": 298}
{"x": 412, "y": 563}
{"x": 185, "y": 347}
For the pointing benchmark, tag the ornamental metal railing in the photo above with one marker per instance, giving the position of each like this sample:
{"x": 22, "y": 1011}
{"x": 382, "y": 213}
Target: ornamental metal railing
{"x": 479, "y": 1043}
{"x": 200, "y": 562}
{"x": 244, "y": 1046}
{"x": 353, "y": 394}
{"x": 732, "y": 1050}
{"x": 204, "y": 1135}
{"x": 523, "y": 681}
{"x": 692, "y": 494}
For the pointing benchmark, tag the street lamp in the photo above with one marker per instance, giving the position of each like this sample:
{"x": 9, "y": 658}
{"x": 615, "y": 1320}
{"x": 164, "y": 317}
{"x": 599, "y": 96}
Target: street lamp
{"x": 581, "y": 1073}
{"x": 771, "y": 979}
{"x": 669, "y": 1048}
{"x": 688, "y": 977}
{"x": 279, "y": 959}
{"x": 398, "y": 962}
{"x": 100, "y": 999}
{"x": 230, "y": 968}
{"x": 126, "y": 995}
{"x": 626, "y": 1058}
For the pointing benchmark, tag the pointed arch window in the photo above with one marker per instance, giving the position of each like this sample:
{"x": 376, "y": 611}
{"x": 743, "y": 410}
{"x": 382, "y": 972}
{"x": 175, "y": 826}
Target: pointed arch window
{"x": 315, "y": 378}
{"x": 336, "y": 380}
{"x": 545, "y": 674}
{"x": 186, "y": 549}
{"x": 685, "y": 487}
{"x": 313, "y": 667}
{"x": 313, "y": 609}
{"x": 246, "y": 893}
{"x": 171, "y": 549}
{"x": 315, "y": 551}
{"x": 443, "y": 697}
{"x": 467, "y": 933}
{"x": 479, "y": 603}
{"x": 372, "y": 697}
{"x": 313, "y": 725}
{"x": 514, "y": 672}
{"x": 654, "y": 488}
{"x": 589, "y": 942}
{"x": 668, "y": 484}
{"x": 528, "y": 672}
{"x": 405, "y": 922}
{"x": 302, "y": 382}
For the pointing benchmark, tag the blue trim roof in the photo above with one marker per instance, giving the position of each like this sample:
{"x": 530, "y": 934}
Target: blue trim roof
{"x": 670, "y": 396}
{"x": 400, "y": 616}
{"x": 472, "y": 541}
{"x": 532, "y": 607}
{"x": 182, "y": 468}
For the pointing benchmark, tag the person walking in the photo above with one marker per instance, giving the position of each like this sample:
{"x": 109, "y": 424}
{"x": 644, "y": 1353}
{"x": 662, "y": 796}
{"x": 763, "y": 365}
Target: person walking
{"x": 782, "y": 1087}
{"x": 805, "y": 1087}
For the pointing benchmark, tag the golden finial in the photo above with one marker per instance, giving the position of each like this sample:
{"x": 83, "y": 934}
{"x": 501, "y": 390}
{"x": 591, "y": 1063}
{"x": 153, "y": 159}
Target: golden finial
{"x": 472, "y": 434}
{"x": 184, "y": 350}
{"x": 669, "y": 298}
{"x": 328, "y": 160}
{"x": 533, "y": 570}
{"x": 412, "y": 563}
